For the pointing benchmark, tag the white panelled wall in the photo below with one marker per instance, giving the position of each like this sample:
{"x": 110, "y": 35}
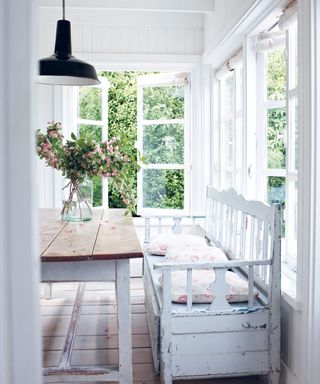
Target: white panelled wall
{"x": 220, "y": 23}
{"x": 124, "y": 32}
{"x": 309, "y": 192}
{"x": 48, "y": 182}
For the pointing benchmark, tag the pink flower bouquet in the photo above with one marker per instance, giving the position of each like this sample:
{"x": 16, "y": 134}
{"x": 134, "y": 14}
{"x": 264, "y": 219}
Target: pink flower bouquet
{"x": 83, "y": 157}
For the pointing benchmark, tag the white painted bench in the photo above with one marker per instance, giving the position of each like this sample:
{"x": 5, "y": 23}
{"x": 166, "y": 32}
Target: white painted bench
{"x": 221, "y": 339}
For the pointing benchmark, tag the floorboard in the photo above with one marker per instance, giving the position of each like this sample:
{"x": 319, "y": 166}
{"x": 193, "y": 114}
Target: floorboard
{"x": 96, "y": 340}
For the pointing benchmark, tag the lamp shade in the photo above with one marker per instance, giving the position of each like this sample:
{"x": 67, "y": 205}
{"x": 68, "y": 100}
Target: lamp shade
{"x": 62, "y": 68}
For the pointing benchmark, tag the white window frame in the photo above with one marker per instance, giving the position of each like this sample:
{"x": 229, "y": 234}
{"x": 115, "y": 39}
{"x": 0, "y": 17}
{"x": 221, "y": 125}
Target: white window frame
{"x": 291, "y": 171}
{"x": 263, "y": 106}
{"x": 154, "y": 81}
{"x": 236, "y": 167}
{"x": 289, "y": 254}
{"x": 76, "y": 121}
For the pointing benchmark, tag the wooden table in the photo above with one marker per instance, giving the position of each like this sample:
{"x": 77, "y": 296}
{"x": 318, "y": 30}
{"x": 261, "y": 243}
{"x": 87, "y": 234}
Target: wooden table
{"x": 96, "y": 250}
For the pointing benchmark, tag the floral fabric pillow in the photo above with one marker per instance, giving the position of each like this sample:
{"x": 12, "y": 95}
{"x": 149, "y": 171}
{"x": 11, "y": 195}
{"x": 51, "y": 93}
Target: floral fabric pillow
{"x": 201, "y": 291}
{"x": 159, "y": 244}
{"x": 202, "y": 253}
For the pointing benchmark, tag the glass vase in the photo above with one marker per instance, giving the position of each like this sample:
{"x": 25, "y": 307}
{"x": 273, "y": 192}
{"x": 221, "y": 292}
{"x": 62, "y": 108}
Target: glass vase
{"x": 77, "y": 200}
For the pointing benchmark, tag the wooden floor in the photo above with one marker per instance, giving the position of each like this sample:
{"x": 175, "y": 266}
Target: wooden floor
{"x": 96, "y": 340}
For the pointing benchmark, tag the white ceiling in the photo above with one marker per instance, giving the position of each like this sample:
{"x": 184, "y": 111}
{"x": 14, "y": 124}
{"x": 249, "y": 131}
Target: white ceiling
{"x": 193, "y": 6}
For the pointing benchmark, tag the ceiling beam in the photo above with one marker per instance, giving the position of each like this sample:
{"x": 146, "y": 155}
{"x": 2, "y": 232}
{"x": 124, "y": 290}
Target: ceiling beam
{"x": 193, "y": 6}
{"x": 133, "y": 18}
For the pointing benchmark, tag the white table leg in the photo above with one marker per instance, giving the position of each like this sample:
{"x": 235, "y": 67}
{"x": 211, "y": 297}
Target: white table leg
{"x": 124, "y": 321}
{"x": 47, "y": 291}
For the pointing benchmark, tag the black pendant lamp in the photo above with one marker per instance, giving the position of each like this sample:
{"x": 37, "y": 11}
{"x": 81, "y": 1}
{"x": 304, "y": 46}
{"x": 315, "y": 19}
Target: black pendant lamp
{"x": 62, "y": 68}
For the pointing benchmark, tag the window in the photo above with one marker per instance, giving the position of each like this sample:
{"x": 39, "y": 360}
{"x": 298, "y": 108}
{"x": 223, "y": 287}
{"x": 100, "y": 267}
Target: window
{"x": 254, "y": 145}
{"x": 91, "y": 106}
{"x": 292, "y": 147}
{"x": 152, "y": 110}
{"x": 163, "y": 105}
{"x": 231, "y": 132}
{"x": 271, "y": 160}
{"x": 277, "y": 175}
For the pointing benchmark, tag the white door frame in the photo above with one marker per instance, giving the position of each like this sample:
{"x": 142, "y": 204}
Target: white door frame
{"x": 20, "y": 327}
{"x": 309, "y": 178}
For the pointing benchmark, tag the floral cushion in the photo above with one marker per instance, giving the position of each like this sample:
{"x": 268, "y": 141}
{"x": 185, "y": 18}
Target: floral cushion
{"x": 185, "y": 254}
{"x": 201, "y": 291}
{"x": 159, "y": 244}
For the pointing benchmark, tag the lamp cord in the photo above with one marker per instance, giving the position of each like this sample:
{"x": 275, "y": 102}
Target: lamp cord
{"x": 63, "y": 9}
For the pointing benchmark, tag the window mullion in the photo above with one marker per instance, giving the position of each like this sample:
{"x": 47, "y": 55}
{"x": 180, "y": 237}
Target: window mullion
{"x": 91, "y": 122}
{"x": 261, "y": 159}
{"x": 164, "y": 166}
{"x": 162, "y": 122}
{"x": 274, "y": 104}
{"x": 291, "y": 172}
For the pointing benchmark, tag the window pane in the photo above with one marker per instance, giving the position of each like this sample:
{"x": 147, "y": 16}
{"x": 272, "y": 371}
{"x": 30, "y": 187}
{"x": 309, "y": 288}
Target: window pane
{"x": 163, "y": 143}
{"x": 295, "y": 211}
{"x": 276, "y": 75}
{"x": 230, "y": 142}
{"x": 95, "y": 131}
{"x": 276, "y": 194}
{"x": 90, "y": 103}
{"x": 228, "y": 180}
{"x": 163, "y": 188}
{"x": 291, "y": 224}
{"x": 276, "y": 131}
{"x": 295, "y": 215}
{"x": 97, "y": 191}
{"x": 293, "y": 105}
{"x": 163, "y": 102}
{"x": 296, "y": 58}
{"x": 229, "y": 95}
{"x": 293, "y": 56}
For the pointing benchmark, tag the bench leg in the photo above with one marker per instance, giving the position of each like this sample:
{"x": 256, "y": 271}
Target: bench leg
{"x": 274, "y": 378}
{"x": 165, "y": 369}
{"x": 165, "y": 330}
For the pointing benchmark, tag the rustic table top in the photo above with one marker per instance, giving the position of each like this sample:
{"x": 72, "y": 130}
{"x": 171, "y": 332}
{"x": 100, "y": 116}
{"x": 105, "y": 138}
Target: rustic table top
{"x": 109, "y": 235}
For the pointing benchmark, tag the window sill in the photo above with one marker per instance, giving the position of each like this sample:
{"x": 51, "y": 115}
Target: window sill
{"x": 288, "y": 287}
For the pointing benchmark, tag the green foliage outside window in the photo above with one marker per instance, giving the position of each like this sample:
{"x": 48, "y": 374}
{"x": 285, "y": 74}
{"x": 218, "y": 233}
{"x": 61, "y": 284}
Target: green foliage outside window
{"x": 90, "y": 107}
{"x": 276, "y": 129}
{"x": 95, "y": 131}
{"x": 162, "y": 143}
{"x": 163, "y": 188}
{"x": 276, "y": 75}
{"x": 276, "y": 117}
{"x": 122, "y": 122}
{"x": 163, "y": 102}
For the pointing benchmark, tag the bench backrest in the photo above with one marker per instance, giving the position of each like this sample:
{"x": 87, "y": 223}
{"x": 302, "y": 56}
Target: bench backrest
{"x": 245, "y": 230}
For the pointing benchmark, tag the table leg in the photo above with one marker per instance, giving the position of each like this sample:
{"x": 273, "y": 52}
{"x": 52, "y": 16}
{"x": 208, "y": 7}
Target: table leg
{"x": 47, "y": 288}
{"x": 124, "y": 321}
